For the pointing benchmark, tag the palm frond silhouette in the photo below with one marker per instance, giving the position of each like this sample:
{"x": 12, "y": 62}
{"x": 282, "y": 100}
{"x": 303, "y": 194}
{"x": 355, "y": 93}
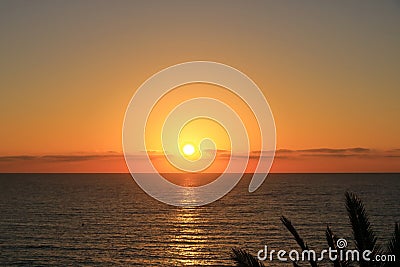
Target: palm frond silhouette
{"x": 245, "y": 259}
{"x": 332, "y": 239}
{"x": 363, "y": 234}
{"x": 288, "y": 224}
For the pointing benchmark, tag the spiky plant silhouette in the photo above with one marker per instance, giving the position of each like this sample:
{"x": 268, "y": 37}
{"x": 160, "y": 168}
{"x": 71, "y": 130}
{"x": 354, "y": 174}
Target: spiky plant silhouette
{"x": 363, "y": 234}
{"x": 244, "y": 258}
{"x": 332, "y": 241}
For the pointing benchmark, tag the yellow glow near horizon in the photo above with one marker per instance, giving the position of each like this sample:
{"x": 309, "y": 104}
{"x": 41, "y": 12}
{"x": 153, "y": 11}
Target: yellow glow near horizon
{"x": 205, "y": 134}
{"x": 188, "y": 149}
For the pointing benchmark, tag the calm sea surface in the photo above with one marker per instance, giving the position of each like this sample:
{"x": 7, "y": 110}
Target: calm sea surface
{"x": 106, "y": 220}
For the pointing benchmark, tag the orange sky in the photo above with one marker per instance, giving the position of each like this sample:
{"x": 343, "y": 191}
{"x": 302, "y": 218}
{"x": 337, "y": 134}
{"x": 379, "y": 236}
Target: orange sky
{"x": 328, "y": 70}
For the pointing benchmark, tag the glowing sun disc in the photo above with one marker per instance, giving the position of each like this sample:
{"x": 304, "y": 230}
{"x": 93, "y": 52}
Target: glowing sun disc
{"x": 188, "y": 149}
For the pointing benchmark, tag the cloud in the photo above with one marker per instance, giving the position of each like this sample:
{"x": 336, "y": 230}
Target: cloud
{"x": 280, "y": 153}
{"x": 327, "y": 150}
{"x": 359, "y": 152}
{"x": 336, "y": 150}
{"x": 16, "y": 158}
{"x": 60, "y": 158}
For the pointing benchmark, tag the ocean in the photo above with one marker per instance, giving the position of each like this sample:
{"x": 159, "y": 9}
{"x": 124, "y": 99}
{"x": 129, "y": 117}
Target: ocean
{"x": 107, "y": 220}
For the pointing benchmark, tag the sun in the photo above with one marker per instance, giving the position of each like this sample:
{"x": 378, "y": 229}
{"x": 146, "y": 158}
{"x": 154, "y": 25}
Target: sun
{"x": 188, "y": 149}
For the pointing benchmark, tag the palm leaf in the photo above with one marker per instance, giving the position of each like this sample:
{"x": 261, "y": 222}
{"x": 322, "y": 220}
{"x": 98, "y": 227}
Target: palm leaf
{"x": 364, "y": 236}
{"x": 245, "y": 259}
{"x": 332, "y": 239}
{"x": 288, "y": 224}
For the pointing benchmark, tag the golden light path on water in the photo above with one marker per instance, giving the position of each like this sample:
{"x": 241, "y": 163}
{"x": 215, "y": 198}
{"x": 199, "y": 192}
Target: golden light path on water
{"x": 190, "y": 240}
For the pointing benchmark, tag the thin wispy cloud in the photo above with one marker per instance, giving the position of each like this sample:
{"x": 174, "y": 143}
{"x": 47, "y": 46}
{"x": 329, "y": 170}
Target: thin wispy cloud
{"x": 359, "y": 152}
{"x": 328, "y": 150}
{"x": 59, "y": 158}
{"x": 280, "y": 153}
{"x": 336, "y": 150}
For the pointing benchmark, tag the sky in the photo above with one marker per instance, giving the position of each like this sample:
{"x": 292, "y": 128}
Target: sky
{"x": 329, "y": 71}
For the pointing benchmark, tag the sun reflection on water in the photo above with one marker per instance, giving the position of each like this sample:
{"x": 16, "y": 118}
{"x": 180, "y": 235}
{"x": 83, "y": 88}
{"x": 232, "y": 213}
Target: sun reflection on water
{"x": 188, "y": 244}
